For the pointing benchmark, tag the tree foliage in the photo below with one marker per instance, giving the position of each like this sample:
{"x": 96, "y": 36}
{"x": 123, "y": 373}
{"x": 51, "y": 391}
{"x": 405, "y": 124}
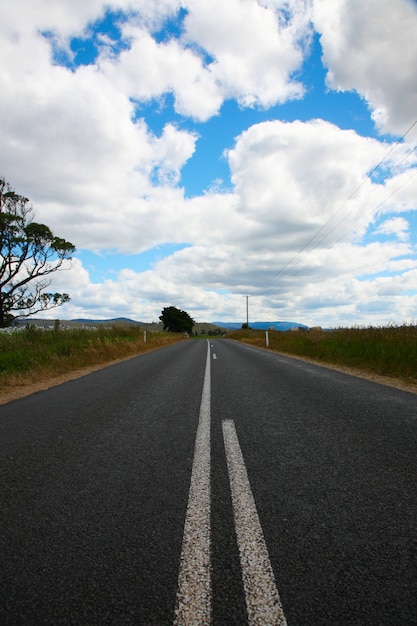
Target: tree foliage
{"x": 176, "y": 321}
{"x": 29, "y": 253}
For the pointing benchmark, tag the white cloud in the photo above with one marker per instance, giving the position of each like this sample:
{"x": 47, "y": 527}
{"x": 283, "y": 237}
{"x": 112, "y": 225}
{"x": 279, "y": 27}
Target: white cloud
{"x": 329, "y": 298}
{"x": 370, "y": 46}
{"x": 148, "y": 70}
{"x": 72, "y": 17}
{"x": 71, "y": 145}
{"x": 66, "y": 17}
{"x": 172, "y": 150}
{"x": 397, "y": 226}
{"x": 254, "y": 52}
{"x": 239, "y": 49}
{"x": 292, "y": 178}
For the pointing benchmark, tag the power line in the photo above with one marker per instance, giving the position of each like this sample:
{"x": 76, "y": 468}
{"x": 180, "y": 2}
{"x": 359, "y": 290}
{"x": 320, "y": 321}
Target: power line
{"x": 373, "y": 190}
{"x": 379, "y": 205}
{"x": 351, "y": 229}
{"x": 296, "y": 257}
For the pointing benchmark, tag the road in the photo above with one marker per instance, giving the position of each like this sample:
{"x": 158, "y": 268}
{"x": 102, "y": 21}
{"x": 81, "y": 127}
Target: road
{"x": 209, "y": 482}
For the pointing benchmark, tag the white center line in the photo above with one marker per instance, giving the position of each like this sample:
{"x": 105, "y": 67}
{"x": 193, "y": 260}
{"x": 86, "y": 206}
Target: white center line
{"x": 262, "y": 598}
{"x": 193, "y": 606}
{"x": 214, "y": 356}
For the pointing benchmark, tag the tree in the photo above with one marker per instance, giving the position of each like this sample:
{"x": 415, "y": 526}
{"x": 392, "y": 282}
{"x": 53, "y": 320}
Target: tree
{"x": 176, "y": 320}
{"x": 29, "y": 254}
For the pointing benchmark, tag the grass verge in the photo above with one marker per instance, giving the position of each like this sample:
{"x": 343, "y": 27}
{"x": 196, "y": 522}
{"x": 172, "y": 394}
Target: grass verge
{"x": 386, "y": 351}
{"x": 34, "y": 355}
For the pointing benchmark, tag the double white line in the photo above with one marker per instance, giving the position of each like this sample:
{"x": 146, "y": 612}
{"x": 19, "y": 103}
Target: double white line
{"x": 193, "y": 605}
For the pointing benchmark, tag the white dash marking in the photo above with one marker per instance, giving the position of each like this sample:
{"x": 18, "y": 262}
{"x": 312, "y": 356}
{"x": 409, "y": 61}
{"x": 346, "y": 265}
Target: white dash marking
{"x": 262, "y": 598}
{"x": 214, "y": 356}
{"x": 193, "y": 606}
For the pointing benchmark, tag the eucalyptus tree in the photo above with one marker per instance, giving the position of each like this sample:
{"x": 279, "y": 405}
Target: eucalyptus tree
{"x": 29, "y": 254}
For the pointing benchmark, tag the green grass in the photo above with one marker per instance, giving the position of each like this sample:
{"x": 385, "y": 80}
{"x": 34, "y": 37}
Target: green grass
{"x": 387, "y": 351}
{"x": 34, "y": 354}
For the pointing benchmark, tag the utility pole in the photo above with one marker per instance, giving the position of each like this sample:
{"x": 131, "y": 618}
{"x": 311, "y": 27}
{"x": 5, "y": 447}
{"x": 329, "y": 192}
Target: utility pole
{"x": 247, "y": 310}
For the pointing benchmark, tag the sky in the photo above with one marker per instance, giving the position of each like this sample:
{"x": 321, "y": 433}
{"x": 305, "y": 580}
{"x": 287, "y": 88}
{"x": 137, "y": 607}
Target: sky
{"x": 200, "y": 151}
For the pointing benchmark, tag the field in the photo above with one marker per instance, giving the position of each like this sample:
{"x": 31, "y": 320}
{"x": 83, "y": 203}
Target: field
{"x": 32, "y": 355}
{"x": 386, "y": 351}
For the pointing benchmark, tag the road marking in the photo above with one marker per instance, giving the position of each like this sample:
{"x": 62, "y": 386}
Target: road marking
{"x": 193, "y": 606}
{"x": 214, "y": 356}
{"x": 262, "y": 598}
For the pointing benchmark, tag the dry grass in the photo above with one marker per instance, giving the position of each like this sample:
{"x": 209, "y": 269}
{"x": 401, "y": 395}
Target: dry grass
{"x": 34, "y": 356}
{"x": 386, "y": 351}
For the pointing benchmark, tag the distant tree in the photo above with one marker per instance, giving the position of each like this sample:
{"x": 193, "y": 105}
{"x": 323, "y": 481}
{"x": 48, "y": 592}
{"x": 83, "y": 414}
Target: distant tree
{"x": 245, "y": 325}
{"x": 29, "y": 253}
{"x": 176, "y": 321}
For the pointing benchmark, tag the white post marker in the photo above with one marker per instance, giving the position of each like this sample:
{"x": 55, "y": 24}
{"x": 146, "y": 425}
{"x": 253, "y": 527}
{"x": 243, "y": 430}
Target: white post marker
{"x": 262, "y": 598}
{"x": 267, "y": 338}
{"x": 193, "y": 606}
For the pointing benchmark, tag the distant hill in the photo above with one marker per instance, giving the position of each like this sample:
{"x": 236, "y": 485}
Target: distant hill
{"x": 262, "y": 325}
{"x": 151, "y": 326}
{"x": 114, "y": 320}
{"x": 199, "y": 327}
{"x": 75, "y": 323}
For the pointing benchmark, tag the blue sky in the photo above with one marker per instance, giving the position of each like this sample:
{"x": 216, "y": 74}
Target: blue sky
{"x": 196, "y": 151}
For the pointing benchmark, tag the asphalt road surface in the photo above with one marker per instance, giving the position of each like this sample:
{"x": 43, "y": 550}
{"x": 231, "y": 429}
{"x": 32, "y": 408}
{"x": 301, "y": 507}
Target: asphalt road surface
{"x": 209, "y": 483}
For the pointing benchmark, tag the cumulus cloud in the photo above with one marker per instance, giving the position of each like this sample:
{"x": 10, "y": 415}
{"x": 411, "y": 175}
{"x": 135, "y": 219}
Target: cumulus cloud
{"x": 370, "y": 47}
{"x": 240, "y": 49}
{"x": 27, "y": 17}
{"x": 72, "y": 144}
{"x": 149, "y": 69}
{"x": 292, "y": 178}
{"x": 254, "y": 52}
